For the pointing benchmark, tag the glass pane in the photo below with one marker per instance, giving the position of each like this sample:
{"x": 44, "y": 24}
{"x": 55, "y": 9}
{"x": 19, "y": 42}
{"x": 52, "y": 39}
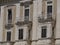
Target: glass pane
{"x": 20, "y": 34}
{"x": 49, "y": 10}
{"x": 43, "y": 32}
{"x": 8, "y": 36}
{"x": 9, "y": 14}
{"x": 26, "y": 14}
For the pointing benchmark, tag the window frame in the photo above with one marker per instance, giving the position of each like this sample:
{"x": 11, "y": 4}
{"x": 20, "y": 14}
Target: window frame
{"x": 19, "y": 37}
{"x": 9, "y": 20}
{"x": 10, "y": 10}
{"x": 29, "y": 12}
{"x": 48, "y": 11}
{"x": 9, "y": 7}
{"x": 49, "y": 4}
{"x": 42, "y": 31}
{"x": 9, "y": 36}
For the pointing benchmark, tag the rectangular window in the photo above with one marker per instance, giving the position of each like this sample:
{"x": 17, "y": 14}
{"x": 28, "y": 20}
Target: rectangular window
{"x": 8, "y": 36}
{"x": 20, "y": 36}
{"x": 49, "y": 10}
{"x": 26, "y": 12}
{"x": 9, "y": 15}
{"x": 43, "y": 32}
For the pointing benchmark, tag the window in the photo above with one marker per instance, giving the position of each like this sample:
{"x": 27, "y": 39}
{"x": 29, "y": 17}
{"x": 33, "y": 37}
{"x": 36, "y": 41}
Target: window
{"x": 8, "y": 36}
{"x": 20, "y": 36}
{"x": 49, "y": 10}
{"x": 9, "y": 15}
{"x": 43, "y": 32}
{"x": 29, "y": 34}
{"x": 27, "y": 13}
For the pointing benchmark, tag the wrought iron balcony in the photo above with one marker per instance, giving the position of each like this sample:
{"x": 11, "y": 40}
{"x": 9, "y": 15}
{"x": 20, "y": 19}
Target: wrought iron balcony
{"x": 48, "y": 19}
{"x": 20, "y": 23}
{"x": 8, "y": 26}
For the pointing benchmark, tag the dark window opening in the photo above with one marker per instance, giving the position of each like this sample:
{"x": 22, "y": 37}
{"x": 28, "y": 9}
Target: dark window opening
{"x": 29, "y": 34}
{"x": 49, "y": 10}
{"x": 8, "y": 36}
{"x": 20, "y": 34}
{"x": 9, "y": 14}
{"x": 26, "y": 14}
{"x": 43, "y": 32}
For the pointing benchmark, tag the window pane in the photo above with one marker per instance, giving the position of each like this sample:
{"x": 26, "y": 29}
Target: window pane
{"x": 43, "y": 32}
{"x": 8, "y": 36}
{"x": 20, "y": 34}
{"x": 49, "y": 10}
{"x": 9, "y": 14}
{"x": 26, "y": 14}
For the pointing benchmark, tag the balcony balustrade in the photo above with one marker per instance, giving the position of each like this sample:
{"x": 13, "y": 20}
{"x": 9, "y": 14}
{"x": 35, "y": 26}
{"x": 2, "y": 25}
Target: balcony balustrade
{"x": 20, "y": 23}
{"x": 48, "y": 19}
{"x": 8, "y": 26}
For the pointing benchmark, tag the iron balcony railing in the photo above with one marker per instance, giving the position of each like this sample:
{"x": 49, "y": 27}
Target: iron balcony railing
{"x": 9, "y": 24}
{"x": 43, "y": 19}
{"x": 20, "y": 23}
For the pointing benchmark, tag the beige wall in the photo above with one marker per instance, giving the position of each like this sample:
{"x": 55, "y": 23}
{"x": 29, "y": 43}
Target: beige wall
{"x": 35, "y": 12}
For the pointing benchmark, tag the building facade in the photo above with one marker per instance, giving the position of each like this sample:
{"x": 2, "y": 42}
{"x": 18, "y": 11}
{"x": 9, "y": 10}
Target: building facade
{"x": 29, "y": 22}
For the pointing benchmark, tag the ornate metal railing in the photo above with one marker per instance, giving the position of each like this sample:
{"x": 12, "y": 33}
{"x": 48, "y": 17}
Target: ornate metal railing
{"x": 9, "y": 26}
{"x": 20, "y": 22}
{"x": 48, "y": 19}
